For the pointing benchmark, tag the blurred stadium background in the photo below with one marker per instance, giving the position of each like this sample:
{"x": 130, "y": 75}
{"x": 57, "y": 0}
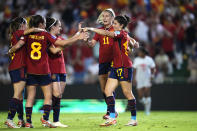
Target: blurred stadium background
{"x": 175, "y": 54}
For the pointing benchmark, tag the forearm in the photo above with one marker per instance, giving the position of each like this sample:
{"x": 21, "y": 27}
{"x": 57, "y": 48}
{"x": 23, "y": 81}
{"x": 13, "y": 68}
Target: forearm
{"x": 67, "y": 42}
{"x": 16, "y": 47}
{"x": 55, "y": 50}
{"x": 102, "y": 32}
{"x": 28, "y": 31}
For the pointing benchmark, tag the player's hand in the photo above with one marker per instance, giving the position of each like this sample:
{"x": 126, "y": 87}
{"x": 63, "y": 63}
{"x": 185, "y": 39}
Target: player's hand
{"x": 83, "y": 36}
{"x": 136, "y": 45}
{"x": 87, "y": 29}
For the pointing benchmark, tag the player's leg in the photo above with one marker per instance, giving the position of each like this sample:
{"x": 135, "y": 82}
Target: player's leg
{"x": 18, "y": 89}
{"x": 31, "y": 93}
{"x": 127, "y": 91}
{"x": 56, "y": 96}
{"x": 16, "y": 104}
{"x": 111, "y": 85}
{"x": 140, "y": 90}
{"x": 102, "y": 82}
{"x": 147, "y": 100}
{"x": 104, "y": 70}
{"x": 47, "y": 91}
{"x": 45, "y": 82}
{"x": 140, "y": 93}
{"x": 58, "y": 89}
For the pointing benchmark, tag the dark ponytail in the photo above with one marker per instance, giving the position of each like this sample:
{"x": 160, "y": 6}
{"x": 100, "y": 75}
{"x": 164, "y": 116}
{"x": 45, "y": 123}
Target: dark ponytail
{"x": 123, "y": 20}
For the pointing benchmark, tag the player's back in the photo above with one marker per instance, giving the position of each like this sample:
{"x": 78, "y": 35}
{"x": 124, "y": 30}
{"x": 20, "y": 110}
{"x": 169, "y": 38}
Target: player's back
{"x": 120, "y": 50}
{"x": 18, "y": 58}
{"x": 37, "y": 57}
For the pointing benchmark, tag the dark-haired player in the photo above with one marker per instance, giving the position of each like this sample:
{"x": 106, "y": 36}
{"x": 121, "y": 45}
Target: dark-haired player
{"x": 58, "y": 71}
{"x": 121, "y": 70}
{"x": 38, "y": 71}
{"x": 17, "y": 71}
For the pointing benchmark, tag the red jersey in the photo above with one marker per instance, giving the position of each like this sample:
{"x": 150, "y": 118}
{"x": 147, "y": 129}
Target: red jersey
{"x": 120, "y": 50}
{"x": 37, "y": 57}
{"x": 18, "y": 58}
{"x": 56, "y": 61}
{"x": 106, "y": 46}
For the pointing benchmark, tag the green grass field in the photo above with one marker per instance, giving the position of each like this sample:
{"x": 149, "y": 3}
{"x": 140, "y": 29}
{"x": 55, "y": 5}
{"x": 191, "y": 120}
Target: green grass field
{"x": 157, "y": 121}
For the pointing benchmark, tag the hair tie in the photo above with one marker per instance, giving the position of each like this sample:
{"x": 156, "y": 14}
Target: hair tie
{"x": 52, "y": 24}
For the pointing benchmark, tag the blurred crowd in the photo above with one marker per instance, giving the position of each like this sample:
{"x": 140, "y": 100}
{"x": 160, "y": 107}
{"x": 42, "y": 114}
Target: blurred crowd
{"x": 166, "y": 28}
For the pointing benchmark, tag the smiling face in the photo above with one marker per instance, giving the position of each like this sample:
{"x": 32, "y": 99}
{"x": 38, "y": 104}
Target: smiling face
{"x": 107, "y": 18}
{"x": 57, "y": 28}
{"x": 117, "y": 26}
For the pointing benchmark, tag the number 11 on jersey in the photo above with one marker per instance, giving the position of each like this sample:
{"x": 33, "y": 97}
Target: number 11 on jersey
{"x": 106, "y": 40}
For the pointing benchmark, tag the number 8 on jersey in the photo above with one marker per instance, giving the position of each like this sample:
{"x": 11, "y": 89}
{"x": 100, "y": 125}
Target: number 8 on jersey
{"x": 36, "y": 47}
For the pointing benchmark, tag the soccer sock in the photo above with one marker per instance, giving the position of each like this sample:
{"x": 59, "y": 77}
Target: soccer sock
{"x": 147, "y": 105}
{"x": 56, "y": 108}
{"x": 12, "y": 108}
{"x": 111, "y": 103}
{"x": 132, "y": 107}
{"x": 47, "y": 109}
{"x": 20, "y": 109}
{"x": 106, "y": 103}
{"x": 28, "y": 111}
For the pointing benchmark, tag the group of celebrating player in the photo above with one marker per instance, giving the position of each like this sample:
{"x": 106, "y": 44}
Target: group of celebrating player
{"x": 37, "y": 60}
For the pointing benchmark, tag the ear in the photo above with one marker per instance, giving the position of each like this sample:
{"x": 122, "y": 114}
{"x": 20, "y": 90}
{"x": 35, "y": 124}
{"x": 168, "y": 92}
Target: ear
{"x": 40, "y": 25}
{"x": 121, "y": 26}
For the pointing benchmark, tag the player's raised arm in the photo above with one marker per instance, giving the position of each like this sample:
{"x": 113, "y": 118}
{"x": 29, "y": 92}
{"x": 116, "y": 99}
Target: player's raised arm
{"x": 100, "y": 31}
{"x": 90, "y": 43}
{"x": 76, "y": 37}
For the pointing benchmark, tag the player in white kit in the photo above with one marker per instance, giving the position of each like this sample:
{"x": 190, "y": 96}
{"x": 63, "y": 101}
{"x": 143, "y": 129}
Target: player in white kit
{"x": 144, "y": 69}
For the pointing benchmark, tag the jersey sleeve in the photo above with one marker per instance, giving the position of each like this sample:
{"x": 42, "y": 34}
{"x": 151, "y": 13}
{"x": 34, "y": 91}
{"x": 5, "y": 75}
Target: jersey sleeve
{"x": 50, "y": 38}
{"x": 96, "y": 37}
{"x": 19, "y": 34}
{"x": 118, "y": 34}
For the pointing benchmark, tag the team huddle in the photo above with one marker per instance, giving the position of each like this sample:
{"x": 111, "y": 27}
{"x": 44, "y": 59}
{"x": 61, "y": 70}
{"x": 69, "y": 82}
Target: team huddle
{"x": 37, "y": 60}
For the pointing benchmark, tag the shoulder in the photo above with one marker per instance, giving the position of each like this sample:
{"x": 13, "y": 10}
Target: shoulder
{"x": 18, "y": 33}
{"x": 136, "y": 59}
{"x": 149, "y": 58}
{"x": 124, "y": 33}
{"x": 48, "y": 35}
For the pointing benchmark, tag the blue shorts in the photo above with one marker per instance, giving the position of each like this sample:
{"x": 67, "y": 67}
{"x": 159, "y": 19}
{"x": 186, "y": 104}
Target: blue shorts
{"x": 121, "y": 74}
{"x": 18, "y": 75}
{"x": 104, "y": 68}
{"x": 58, "y": 77}
{"x": 40, "y": 80}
